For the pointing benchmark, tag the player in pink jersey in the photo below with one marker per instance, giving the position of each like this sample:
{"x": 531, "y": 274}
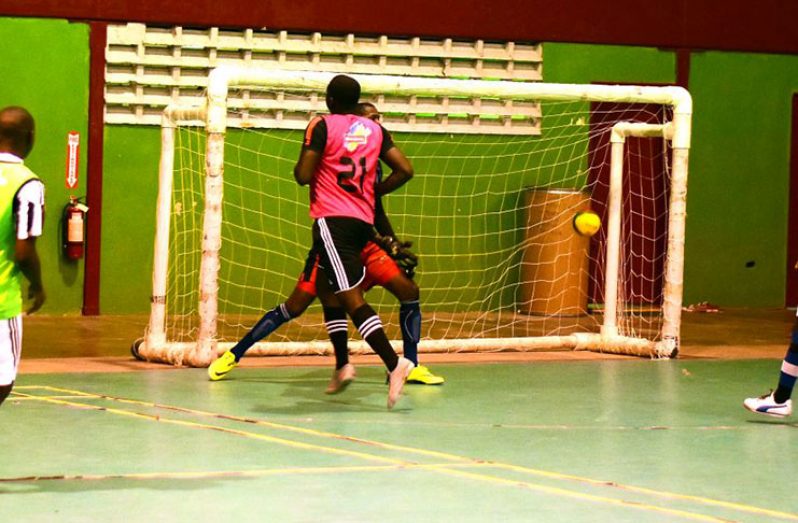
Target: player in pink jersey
{"x": 339, "y": 161}
{"x": 381, "y": 269}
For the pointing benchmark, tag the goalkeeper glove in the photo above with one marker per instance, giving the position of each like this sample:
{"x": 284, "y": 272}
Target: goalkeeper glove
{"x": 400, "y": 252}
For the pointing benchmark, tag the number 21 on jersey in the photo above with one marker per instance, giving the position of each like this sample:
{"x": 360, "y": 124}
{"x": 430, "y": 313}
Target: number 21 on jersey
{"x": 352, "y": 180}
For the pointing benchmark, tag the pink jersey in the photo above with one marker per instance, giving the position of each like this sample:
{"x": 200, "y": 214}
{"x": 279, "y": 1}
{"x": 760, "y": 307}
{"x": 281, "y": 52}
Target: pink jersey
{"x": 343, "y": 184}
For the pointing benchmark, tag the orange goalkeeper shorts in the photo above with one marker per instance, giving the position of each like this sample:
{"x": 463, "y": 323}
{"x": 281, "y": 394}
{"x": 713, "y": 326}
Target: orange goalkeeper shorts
{"x": 380, "y": 269}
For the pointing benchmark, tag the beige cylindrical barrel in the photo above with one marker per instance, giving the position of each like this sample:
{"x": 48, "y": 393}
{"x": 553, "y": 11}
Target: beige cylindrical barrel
{"x": 554, "y": 268}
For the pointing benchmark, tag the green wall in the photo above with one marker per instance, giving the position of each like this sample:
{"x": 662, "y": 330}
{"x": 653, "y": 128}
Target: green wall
{"x": 579, "y": 64}
{"x": 44, "y": 67}
{"x": 737, "y": 200}
{"x": 130, "y": 189}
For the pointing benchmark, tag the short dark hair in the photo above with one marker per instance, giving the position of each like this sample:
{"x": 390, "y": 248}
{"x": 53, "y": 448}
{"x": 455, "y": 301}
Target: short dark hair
{"x": 367, "y": 110}
{"x": 363, "y": 108}
{"x": 16, "y": 130}
{"x": 344, "y": 91}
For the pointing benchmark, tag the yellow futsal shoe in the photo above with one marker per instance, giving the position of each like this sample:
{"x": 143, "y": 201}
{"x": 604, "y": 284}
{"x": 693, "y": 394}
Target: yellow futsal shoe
{"x": 423, "y": 375}
{"x": 221, "y": 366}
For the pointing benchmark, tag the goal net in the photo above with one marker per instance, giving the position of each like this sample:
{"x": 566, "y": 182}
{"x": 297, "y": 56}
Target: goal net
{"x": 490, "y": 213}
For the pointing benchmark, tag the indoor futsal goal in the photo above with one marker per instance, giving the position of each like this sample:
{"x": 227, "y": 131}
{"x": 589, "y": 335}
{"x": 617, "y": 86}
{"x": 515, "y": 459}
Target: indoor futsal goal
{"x": 490, "y": 213}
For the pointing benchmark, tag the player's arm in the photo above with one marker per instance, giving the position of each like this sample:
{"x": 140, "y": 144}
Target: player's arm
{"x": 29, "y": 218}
{"x": 401, "y": 168}
{"x": 27, "y": 259}
{"x": 386, "y": 238}
{"x": 381, "y": 221}
{"x": 306, "y": 166}
{"x": 312, "y": 149}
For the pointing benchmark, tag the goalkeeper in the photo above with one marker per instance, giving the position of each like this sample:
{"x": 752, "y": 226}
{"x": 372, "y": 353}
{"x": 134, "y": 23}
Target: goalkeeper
{"x": 389, "y": 263}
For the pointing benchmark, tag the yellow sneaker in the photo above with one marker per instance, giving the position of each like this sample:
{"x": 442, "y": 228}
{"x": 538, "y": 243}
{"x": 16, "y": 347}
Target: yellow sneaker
{"x": 422, "y": 374}
{"x": 221, "y": 366}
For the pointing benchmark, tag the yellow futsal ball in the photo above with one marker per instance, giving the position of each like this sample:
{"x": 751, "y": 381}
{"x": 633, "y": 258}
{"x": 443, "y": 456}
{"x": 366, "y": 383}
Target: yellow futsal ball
{"x": 587, "y": 223}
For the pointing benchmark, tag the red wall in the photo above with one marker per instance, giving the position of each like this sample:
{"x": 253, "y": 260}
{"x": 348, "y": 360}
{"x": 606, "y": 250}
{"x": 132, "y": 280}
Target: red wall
{"x": 741, "y": 25}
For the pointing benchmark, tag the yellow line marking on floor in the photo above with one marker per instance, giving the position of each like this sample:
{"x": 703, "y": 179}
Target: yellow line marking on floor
{"x": 659, "y": 493}
{"x": 246, "y": 434}
{"x": 553, "y": 475}
{"x": 443, "y": 455}
{"x": 19, "y": 397}
{"x": 448, "y": 468}
{"x": 405, "y": 423}
{"x": 584, "y": 496}
{"x": 271, "y": 424}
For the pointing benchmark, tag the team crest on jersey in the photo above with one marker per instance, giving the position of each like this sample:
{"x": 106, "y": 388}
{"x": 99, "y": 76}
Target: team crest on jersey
{"x": 357, "y": 135}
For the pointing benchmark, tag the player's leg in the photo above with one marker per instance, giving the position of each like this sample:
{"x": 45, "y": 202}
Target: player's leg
{"x": 382, "y": 270}
{"x": 370, "y": 327}
{"x": 10, "y": 352}
{"x": 778, "y": 402}
{"x": 406, "y": 291}
{"x": 365, "y": 319}
{"x": 336, "y": 324}
{"x": 340, "y": 242}
{"x": 297, "y": 303}
{"x": 294, "y": 306}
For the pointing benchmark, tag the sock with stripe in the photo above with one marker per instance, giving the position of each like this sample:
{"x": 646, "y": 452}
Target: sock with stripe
{"x": 789, "y": 371}
{"x": 269, "y": 323}
{"x": 410, "y": 321}
{"x": 370, "y": 328}
{"x": 335, "y": 321}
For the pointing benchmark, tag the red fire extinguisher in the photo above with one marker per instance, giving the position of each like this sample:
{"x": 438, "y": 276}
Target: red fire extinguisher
{"x": 74, "y": 214}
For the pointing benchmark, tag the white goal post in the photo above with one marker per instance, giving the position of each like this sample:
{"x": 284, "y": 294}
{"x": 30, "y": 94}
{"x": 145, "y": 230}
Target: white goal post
{"x": 206, "y": 343}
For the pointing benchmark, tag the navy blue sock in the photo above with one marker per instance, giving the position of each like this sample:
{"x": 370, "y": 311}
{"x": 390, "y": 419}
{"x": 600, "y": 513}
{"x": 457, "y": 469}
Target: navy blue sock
{"x": 410, "y": 322}
{"x": 789, "y": 371}
{"x": 265, "y": 326}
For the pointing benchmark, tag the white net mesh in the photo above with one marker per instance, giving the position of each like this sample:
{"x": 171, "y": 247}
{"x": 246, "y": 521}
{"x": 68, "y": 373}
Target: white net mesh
{"x": 490, "y": 218}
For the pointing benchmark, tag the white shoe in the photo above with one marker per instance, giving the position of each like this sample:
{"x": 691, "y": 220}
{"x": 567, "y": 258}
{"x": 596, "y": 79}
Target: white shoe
{"x": 396, "y": 380}
{"x": 341, "y": 379}
{"x": 767, "y": 405}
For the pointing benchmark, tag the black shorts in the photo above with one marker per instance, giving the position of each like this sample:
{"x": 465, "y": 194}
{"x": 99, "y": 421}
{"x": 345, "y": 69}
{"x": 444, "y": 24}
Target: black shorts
{"x": 339, "y": 242}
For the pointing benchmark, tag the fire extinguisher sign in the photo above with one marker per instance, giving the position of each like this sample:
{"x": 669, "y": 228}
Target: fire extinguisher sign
{"x": 73, "y": 155}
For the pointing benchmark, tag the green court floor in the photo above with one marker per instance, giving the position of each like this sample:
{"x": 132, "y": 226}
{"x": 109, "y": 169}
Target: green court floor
{"x": 606, "y": 440}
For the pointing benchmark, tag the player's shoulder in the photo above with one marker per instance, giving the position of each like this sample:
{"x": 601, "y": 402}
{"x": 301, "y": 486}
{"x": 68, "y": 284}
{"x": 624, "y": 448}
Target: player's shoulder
{"x": 18, "y": 174}
{"x": 315, "y": 121}
{"x": 316, "y": 124}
